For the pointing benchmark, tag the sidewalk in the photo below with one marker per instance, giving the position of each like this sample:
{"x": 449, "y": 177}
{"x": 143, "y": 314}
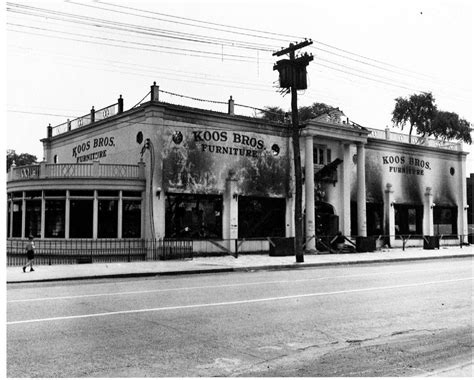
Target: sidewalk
{"x": 224, "y": 264}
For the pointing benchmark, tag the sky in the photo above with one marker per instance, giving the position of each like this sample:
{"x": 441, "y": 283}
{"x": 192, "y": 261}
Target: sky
{"x": 63, "y": 57}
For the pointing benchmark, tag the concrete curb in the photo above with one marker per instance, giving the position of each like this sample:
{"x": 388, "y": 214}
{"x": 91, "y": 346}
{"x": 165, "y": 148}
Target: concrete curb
{"x": 238, "y": 269}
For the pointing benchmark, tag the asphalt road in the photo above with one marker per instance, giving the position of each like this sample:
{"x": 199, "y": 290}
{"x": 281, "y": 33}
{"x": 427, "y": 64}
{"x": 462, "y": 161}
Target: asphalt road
{"x": 399, "y": 319}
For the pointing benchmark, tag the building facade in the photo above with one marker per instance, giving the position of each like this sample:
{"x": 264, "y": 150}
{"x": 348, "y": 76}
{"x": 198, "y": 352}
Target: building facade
{"x": 167, "y": 171}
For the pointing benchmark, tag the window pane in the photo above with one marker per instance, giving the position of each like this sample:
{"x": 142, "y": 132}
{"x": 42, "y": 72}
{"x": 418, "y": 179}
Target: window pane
{"x": 108, "y": 216}
{"x": 17, "y": 210}
{"x": 108, "y": 193}
{"x": 9, "y": 208}
{"x": 134, "y": 194}
{"x": 33, "y": 194}
{"x": 55, "y": 193}
{"x": 81, "y": 193}
{"x": 55, "y": 212}
{"x": 33, "y": 218}
{"x": 81, "y": 218}
{"x": 412, "y": 221}
{"x": 131, "y": 219}
{"x": 408, "y": 219}
{"x": 261, "y": 217}
{"x": 193, "y": 216}
{"x": 374, "y": 212}
{"x": 445, "y": 220}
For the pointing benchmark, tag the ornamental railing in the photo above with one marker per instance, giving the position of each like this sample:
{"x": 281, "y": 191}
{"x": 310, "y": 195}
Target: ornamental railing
{"x": 414, "y": 140}
{"x": 83, "y": 251}
{"x": 92, "y": 117}
{"x": 89, "y": 170}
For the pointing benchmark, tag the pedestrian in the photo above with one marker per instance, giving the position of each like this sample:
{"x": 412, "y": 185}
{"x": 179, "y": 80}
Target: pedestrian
{"x": 30, "y": 254}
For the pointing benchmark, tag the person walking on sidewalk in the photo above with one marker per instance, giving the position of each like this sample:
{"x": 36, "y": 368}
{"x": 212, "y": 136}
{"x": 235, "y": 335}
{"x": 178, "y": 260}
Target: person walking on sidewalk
{"x": 30, "y": 254}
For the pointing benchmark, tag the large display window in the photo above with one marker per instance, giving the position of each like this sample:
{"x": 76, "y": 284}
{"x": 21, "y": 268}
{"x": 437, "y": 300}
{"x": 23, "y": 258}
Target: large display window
{"x": 374, "y": 212}
{"x": 131, "y": 218}
{"x": 408, "y": 219}
{"x": 445, "y": 220}
{"x": 17, "y": 213}
{"x": 81, "y": 214}
{"x": 33, "y": 218}
{"x": 108, "y": 218}
{"x": 193, "y": 216}
{"x": 261, "y": 217}
{"x": 55, "y": 211}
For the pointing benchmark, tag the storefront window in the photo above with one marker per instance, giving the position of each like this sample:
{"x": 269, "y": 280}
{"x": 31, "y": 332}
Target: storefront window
{"x": 17, "y": 211}
{"x": 81, "y": 218}
{"x": 9, "y": 208}
{"x": 374, "y": 212}
{"x": 131, "y": 218}
{"x": 408, "y": 219}
{"x": 33, "y": 218}
{"x": 445, "y": 220}
{"x": 193, "y": 216}
{"x": 108, "y": 218}
{"x": 55, "y": 211}
{"x": 261, "y": 217}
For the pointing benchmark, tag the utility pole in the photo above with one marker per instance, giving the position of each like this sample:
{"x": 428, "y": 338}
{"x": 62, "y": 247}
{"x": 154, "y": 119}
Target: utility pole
{"x": 293, "y": 77}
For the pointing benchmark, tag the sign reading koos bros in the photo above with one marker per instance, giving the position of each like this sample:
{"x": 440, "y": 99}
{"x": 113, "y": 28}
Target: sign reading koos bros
{"x": 406, "y": 164}
{"x": 246, "y": 145}
{"x": 86, "y": 146}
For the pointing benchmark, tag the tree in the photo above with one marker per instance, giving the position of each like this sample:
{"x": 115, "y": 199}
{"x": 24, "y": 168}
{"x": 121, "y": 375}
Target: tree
{"x": 450, "y": 126}
{"x": 421, "y": 112}
{"x": 305, "y": 113}
{"x": 275, "y": 114}
{"x": 19, "y": 159}
{"x": 418, "y": 111}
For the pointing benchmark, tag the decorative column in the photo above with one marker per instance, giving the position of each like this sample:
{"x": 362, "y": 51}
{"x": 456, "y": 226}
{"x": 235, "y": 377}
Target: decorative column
{"x": 309, "y": 195}
{"x": 120, "y": 215}
{"x": 361, "y": 198}
{"x": 68, "y": 216}
{"x": 95, "y": 215}
{"x": 43, "y": 215}
{"x": 462, "y": 199}
{"x": 428, "y": 213}
{"x": 23, "y": 214}
{"x": 230, "y": 212}
{"x": 345, "y": 223}
{"x": 389, "y": 214}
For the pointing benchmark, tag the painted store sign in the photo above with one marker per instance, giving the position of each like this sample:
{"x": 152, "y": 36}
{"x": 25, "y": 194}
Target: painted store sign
{"x": 406, "y": 164}
{"x": 92, "y": 149}
{"x": 199, "y": 160}
{"x": 409, "y": 175}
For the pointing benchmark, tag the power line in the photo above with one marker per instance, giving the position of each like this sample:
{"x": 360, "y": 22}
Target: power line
{"x": 217, "y": 54}
{"x": 129, "y": 47}
{"x": 62, "y": 16}
{"x": 170, "y": 21}
{"x": 40, "y": 113}
{"x": 220, "y": 55}
{"x": 286, "y": 36}
{"x": 206, "y": 22}
{"x": 152, "y": 69}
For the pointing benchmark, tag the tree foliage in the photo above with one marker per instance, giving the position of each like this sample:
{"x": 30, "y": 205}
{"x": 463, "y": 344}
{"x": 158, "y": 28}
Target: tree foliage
{"x": 19, "y": 159}
{"x": 305, "y": 113}
{"x": 450, "y": 126}
{"x": 420, "y": 112}
{"x": 275, "y": 114}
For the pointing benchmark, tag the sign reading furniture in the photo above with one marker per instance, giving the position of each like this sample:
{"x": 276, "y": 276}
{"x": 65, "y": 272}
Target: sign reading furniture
{"x": 406, "y": 164}
{"x": 81, "y": 152}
